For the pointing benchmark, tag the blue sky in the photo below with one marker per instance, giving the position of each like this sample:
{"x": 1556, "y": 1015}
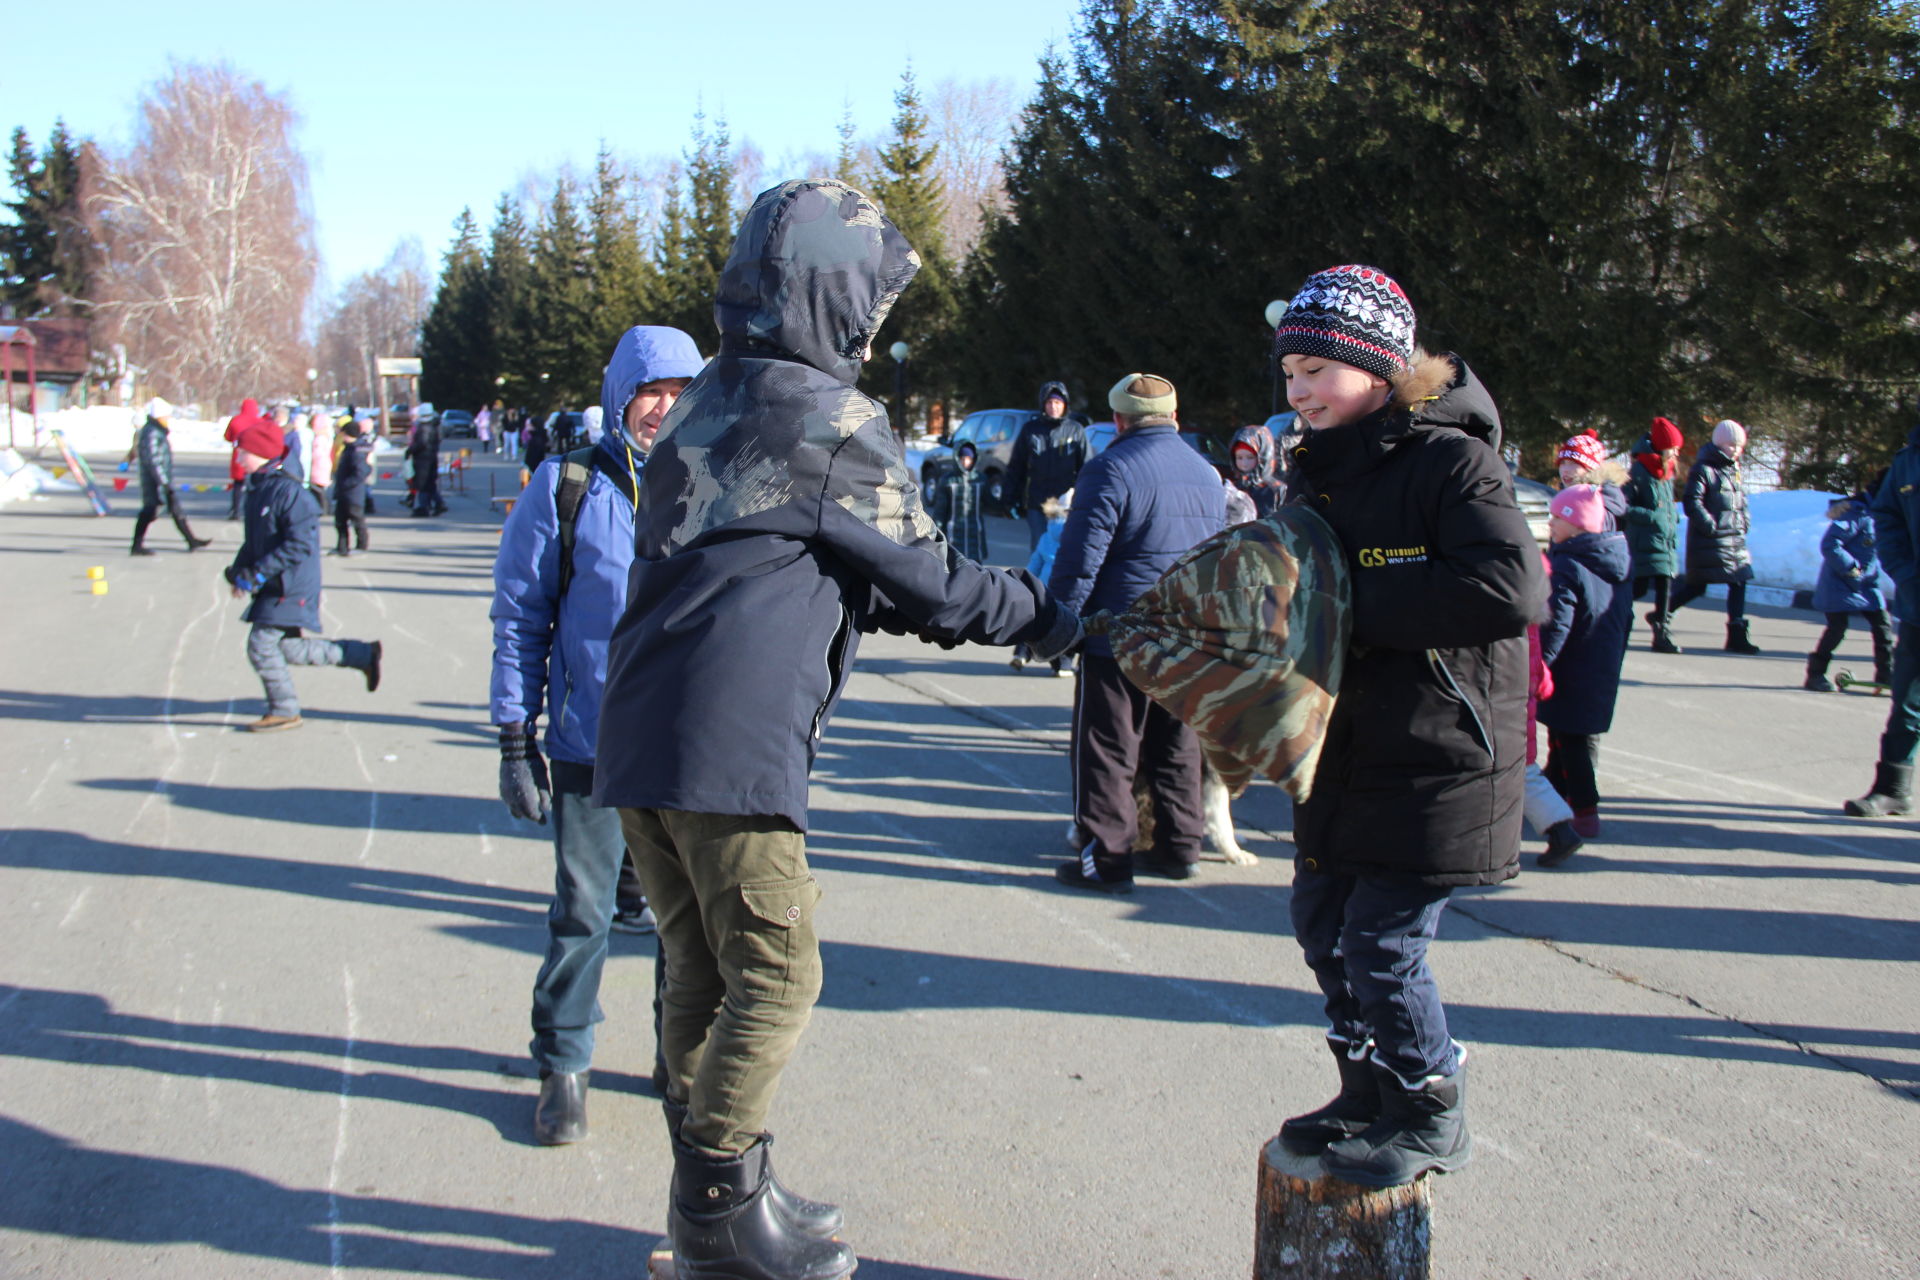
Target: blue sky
{"x": 412, "y": 110}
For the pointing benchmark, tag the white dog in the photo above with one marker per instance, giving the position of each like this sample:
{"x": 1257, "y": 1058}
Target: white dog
{"x": 1216, "y": 804}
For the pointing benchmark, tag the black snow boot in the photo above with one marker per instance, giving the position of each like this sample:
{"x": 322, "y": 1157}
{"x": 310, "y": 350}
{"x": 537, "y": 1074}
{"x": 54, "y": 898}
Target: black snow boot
{"x": 1421, "y": 1128}
{"x": 1882, "y": 663}
{"x": 1662, "y": 625}
{"x": 724, "y": 1226}
{"x": 1738, "y": 639}
{"x": 1356, "y": 1106}
{"x": 1562, "y": 843}
{"x": 1817, "y": 681}
{"x": 1892, "y": 794}
{"x": 814, "y": 1217}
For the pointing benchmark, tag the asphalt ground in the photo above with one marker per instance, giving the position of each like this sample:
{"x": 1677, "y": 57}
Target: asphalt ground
{"x": 263, "y": 1001}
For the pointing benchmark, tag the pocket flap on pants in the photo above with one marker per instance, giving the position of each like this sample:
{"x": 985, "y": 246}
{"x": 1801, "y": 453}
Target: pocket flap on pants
{"x": 782, "y": 902}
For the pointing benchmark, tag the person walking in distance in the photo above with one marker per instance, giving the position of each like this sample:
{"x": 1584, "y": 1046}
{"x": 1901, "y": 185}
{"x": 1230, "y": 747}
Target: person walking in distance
{"x": 1652, "y": 525}
{"x": 237, "y": 478}
{"x": 352, "y": 474}
{"x": 278, "y": 565}
{"x": 155, "y": 447}
{"x": 956, "y": 505}
{"x": 560, "y": 584}
{"x": 1896, "y": 531}
{"x": 1047, "y": 457}
{"x": 1717, "y": 522}
{"x": 777, "y": 523}
{"x": 1421, "y": 781}
{"x": 1139, "y": 505}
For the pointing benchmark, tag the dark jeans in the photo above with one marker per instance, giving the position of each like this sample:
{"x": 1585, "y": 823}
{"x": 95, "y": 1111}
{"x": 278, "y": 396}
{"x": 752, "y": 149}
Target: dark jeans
{"x": 1365, "y": 938}
{"x": 593, "y": 876}
{"x": 1573, "y": 760}
{"x": 1119, "y": 732}
{"x": 1829, "y": 642}
{"x": 1736, "y": 598}
{"x": 350, "y": 512}
{"x": 1036, "y": 525}
{"x": 1903, "y": 721}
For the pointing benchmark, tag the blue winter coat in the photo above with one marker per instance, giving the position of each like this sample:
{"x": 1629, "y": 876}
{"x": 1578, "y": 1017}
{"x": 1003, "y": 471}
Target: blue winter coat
{"x": 279, "y": 558}
{"x": 1138, "y": 507}
{"x": 550, "y": 649}
{"x": 1584, "y": 639}
{"x": 777, "y": 521}
{"x": 353, "y": 471}
{"x": 1849, "y": 568}
{"x": 1896, "y": 527}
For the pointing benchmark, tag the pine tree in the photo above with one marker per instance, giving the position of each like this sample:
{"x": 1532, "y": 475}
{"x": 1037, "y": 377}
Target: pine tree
{"x": 624, "y": 287}
{"x": 509, "y": 295}
{"x": 456, "y": 341}
{"x": 910, "y": 192}
{"x": 46, "y": 253}
{"x": 696, "y": 233}
{"x": 561, "y": 307}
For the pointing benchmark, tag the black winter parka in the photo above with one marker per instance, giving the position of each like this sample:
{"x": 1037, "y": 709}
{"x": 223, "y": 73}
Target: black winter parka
{"x": 1423, "y": 769}
{"x": 1716, "y": 502}
{"x": 279, "y": 557}
{"x": 156, "y": 461}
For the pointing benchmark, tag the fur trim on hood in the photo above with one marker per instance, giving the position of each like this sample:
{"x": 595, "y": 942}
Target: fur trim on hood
{"x": 1441, "y": 391}
{"x": 1425, "y": 379}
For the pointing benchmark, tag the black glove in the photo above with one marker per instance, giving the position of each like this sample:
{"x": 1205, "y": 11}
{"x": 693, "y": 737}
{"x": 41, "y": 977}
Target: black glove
{"x": 523, "y": 775}
{"x": 1063, "y": 636}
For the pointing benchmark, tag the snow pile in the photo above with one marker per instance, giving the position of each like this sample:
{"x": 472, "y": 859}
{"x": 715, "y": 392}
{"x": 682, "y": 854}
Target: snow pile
{"x": 20, "y": 479}
{"x": 1785, "y": 537}
{"x": 110, "y": 429}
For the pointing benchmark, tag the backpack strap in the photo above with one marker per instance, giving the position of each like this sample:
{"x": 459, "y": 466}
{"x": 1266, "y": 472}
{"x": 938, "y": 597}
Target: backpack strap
{"x": 576, "y": 474}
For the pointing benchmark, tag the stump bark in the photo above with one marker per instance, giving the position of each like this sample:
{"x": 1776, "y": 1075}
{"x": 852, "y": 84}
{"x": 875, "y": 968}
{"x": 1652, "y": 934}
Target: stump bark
{"x": 1309, "y": 1226}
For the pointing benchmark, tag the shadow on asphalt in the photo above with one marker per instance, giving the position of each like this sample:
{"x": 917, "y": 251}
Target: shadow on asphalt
{"x": 89, "y": 708}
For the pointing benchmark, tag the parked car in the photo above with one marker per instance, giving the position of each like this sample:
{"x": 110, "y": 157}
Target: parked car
{"x": 991, "y": 432}
{"x": 1535, "y": 500}
{"x": 456, "y": 422}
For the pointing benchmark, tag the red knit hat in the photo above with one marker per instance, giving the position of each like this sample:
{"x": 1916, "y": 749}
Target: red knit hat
{"x": 1665, "y": 435}
{"x": 1584, "y": 449}
{"x": 262, "y": 440}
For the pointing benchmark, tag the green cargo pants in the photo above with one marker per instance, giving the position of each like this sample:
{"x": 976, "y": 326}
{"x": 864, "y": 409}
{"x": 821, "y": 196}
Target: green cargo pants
{"x": 735, "y": 901}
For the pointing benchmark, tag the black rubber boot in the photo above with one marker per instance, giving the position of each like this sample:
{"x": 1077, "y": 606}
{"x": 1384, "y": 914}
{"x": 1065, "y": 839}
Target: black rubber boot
{"x": 1356, "y": 1106}
{"x": 1817, "y": 681}
{"x": 1420, "y": 1129}
{"x": 724, "y": 1226}
{"x": 1738, "y": 638}
{"x": 140, "y": 526}
{"x": 560, "y": 1116}
{"x": 1562, "y": 842}
{"x": 1892, "y": 794}
{"x": 814, "y": 1217}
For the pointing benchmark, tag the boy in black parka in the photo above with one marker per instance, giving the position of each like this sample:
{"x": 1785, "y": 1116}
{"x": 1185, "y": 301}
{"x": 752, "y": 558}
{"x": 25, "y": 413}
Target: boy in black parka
{"x": 1421, "y": 780}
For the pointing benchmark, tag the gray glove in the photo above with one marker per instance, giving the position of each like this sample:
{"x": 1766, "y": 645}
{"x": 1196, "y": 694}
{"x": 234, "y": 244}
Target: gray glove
{"x": 523, "y": 775}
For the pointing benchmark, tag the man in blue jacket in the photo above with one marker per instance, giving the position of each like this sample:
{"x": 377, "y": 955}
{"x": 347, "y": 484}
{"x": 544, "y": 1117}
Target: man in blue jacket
{"x": 278, "y": 565}
{"x": 778, "y": 522}
{"x": 1137, "y": 508}
{"x": 1896, "y": 529}
{"x": 560, "y": 583}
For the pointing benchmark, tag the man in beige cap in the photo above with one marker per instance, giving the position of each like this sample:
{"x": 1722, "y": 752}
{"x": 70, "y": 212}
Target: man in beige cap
{"x": 1136, "y": 508}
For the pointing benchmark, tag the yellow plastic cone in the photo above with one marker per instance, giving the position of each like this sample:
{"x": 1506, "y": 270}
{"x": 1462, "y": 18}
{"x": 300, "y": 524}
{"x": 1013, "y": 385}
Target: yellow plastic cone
{"x": 97, "y": 572}
{"x": 99, "y": 586}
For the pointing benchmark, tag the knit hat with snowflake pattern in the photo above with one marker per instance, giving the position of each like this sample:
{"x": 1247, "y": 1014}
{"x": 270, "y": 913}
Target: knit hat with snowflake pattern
{"x": 1354, "y": 314}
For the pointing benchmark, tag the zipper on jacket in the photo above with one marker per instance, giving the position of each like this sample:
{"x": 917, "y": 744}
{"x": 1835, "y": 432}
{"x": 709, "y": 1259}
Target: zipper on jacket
{"x": 1486, "y": 739}
{"x": 836, "y": 648}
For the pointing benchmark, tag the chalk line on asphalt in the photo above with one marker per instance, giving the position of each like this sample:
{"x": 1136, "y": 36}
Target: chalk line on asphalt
{"x": 166, "y": 711}
{"x": 373, "y": 795}
{"x": 337, "y": 1242}
{"x": 74, "y": 910}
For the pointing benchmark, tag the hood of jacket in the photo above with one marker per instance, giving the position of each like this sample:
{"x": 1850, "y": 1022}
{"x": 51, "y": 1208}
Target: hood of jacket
{"x": 1050, "y": 389}
{"x": 1712, "y": 455}
{"x": 1605, "y": 555}
{"x": 1263, "y": 453}
{"x": 645, "y": 353}
{"x": 813, "y": 273}
{"x": 1441, "y": 391}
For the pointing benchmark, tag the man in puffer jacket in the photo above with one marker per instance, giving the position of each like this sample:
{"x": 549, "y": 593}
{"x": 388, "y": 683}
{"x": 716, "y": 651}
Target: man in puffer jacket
{"x": 1139, "y": 506}
{"x": 156, "y": 480}
{"x": 777, "y": 523}
{"x": 1717, "y": 522}
{"x": 554, "y": 607}
{"x": 1896, "y": 529}
{"x": 278, "y": 565}
{"x": 1421, "y": 781}
{"x": 1047, "y": 457}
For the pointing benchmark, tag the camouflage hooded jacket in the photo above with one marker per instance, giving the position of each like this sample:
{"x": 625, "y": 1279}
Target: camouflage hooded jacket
{"x": 778, "y": 521}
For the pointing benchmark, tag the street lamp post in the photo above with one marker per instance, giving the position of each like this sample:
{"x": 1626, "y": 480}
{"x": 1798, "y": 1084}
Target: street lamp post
{"x": 1276, "y": 311}
{"x": 899, "y": 351}
{"x": 313, "y": 376}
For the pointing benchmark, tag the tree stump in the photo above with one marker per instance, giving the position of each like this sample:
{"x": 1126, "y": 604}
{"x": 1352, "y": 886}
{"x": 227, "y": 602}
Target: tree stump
{"x": 1309, "y": 1226}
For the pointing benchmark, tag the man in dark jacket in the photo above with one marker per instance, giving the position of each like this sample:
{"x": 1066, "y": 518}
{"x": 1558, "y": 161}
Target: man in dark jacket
{"x": 352, "y": 474}
{"x": 1717, "y": 522}
{"x": 156, "y": 480}
{"x": 1047, "y": 457}
{"x": 1421, "y": 780}
{"x": 424, "y": 449}
{"x": 278, "y": 565}
{"x": 1896, "y": 531}
{"x": 777, "y": 522}
{"x": 1138, "y": 506}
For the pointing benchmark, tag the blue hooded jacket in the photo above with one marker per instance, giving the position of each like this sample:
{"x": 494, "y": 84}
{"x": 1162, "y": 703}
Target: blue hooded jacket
{"x": 1849, "y": 568}
{"x": 553, "y": 649}
{"x": 1584, "y": 640}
